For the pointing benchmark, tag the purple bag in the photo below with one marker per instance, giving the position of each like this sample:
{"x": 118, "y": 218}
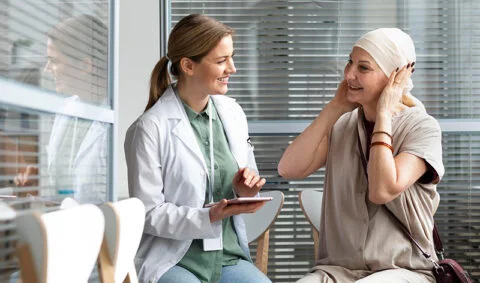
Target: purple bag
{"x": 447, "y": 270}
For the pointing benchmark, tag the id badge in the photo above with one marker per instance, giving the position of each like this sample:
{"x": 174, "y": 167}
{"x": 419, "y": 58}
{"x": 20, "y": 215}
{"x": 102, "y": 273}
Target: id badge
{"x": 213, "y": 244}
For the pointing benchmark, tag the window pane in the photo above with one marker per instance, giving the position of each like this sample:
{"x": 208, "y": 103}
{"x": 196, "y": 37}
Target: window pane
{"x": 49, "y": 155}
{"x": 45, "y": 158}
{"x": 60, "y": 46}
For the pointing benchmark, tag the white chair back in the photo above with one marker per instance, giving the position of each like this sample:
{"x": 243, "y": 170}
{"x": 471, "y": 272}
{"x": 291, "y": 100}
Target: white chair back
{"x": 60, "y": 246}
{"x": 257, "y": 223}
{"x": 68, "y": 202}
{"x": 6, "y": 212}
{"x": 311, "y": 204}
{"x": 124, "y": 221}
{"x": 258, "y": 226}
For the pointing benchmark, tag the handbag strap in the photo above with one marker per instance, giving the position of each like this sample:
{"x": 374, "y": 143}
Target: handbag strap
{"x": 437, "y": 242}
{"x": 399, "y": 223}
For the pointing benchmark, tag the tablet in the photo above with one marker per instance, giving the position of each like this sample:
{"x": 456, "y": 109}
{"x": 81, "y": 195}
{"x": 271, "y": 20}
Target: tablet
{"x": 242, "y": 200}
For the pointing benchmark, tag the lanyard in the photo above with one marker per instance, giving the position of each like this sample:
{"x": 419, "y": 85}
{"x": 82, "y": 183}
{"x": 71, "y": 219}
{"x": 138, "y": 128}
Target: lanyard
{"x": 212, "y": 161}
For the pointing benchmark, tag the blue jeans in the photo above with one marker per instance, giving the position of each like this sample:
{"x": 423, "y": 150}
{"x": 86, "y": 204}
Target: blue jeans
{"x": 243, "y": 272}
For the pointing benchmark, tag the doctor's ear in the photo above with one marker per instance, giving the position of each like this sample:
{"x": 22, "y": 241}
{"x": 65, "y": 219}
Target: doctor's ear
{"x": 186, "y": 65}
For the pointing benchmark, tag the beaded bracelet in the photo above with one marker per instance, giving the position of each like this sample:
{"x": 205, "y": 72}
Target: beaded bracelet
{"x": 382, "y": 132}
{"x": 381, "y": 143}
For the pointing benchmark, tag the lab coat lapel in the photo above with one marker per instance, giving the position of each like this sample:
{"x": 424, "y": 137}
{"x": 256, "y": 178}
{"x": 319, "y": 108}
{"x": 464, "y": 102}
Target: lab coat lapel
{"x": 94, "y": 133}
{"x": 181, "y": 127}
{"x": 60, "y": 127}
{"x": 231, "y": 124}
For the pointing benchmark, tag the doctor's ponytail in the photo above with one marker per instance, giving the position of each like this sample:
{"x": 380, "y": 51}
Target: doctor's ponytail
{"x": 159, "y": 81}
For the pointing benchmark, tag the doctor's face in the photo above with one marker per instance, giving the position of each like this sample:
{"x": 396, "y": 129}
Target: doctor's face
{"x": 70, "y": 74}
{"x": 212, "y": 73}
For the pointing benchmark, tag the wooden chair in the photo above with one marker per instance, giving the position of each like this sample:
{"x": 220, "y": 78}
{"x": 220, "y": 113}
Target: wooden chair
{"x": 258, "y": 226}
{"x": 59, "y": 246}
{"x": 124, "y": 221}
{"x": 311, "y": 205}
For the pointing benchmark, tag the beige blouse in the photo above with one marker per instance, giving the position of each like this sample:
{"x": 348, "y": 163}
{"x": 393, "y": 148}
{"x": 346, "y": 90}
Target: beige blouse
{"x": 358, "y": 234}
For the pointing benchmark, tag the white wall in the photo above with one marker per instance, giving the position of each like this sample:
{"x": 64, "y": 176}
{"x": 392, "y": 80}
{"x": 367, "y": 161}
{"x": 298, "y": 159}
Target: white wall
{"x": 138, "y": 52}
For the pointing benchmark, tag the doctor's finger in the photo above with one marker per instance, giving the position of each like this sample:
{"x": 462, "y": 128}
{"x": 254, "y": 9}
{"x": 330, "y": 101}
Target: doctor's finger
{"x": 254, "y": 207}
{"x": 17, "y": 180}
{"x": 260, "y": 183}
{"x": 238, "y": 176}
{"x": 248, "y": 180}
{"x": 254, "y": 181}
{"x": 235, "y": 209}
{"x": 246, "y": 172}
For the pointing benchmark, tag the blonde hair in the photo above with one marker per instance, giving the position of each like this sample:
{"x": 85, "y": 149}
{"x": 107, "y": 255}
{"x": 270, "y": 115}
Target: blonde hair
{"x": 83, "y": 36}
{"x": 193, "y": 37}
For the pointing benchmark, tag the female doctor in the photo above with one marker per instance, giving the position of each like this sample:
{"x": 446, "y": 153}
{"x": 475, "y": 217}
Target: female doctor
{"x": 190, "y": 148}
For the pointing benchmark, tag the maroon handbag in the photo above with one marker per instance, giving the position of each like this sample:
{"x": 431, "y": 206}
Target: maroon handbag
{"x": 446, "y": 270}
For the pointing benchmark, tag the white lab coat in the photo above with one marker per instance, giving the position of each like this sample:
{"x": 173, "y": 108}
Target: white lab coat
{"x": 167, "y": 171}
{"x": 77, "y": 156}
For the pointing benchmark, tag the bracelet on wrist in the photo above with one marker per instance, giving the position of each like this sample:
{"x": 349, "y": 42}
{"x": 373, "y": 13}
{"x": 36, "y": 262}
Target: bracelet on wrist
{"x": 383, "y": 144}
{"x": 385, "y": 133}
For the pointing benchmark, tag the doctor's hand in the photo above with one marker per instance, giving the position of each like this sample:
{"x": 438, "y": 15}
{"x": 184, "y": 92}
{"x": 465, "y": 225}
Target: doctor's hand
{"x": 247, "y": 183}
{"x": 222, "y": 210}
{"x": 29, "y": 177}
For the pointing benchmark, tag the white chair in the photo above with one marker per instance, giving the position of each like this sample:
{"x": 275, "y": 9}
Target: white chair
{"x": 311, "y": 205}
{"x": 258, "y": 226}
{"x": 59, "y": 246}
{"x": 124, "y": 221}
{"x": 68, "y": 202}
{"x": 6, "y": 212}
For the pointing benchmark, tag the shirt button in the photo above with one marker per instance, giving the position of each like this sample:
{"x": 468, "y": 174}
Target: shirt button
{"x": 206, "y": 142}
{"x": 216, "y": 166}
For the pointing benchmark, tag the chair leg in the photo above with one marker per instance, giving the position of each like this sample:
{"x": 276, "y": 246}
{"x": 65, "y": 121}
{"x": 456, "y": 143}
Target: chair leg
{"x": 131, "y": 275}
{"x": 106, "y": 269}
{"x": 27, "y": 268}
{"x": 316, "y": 242}
{"x": 262, "y": 252}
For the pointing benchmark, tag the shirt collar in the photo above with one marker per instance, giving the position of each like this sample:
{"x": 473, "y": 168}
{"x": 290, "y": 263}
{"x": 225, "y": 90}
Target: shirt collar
{"x": 192, "y": 115}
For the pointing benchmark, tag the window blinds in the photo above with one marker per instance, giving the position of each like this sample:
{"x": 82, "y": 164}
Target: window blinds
{"x": 290, "y": 57}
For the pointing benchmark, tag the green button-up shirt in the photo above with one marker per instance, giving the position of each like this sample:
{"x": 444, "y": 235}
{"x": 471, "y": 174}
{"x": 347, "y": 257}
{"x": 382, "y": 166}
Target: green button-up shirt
{"x": 207, "y": 265}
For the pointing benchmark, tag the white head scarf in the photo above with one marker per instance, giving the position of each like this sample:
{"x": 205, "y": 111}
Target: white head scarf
{"x": 391, "y": 48}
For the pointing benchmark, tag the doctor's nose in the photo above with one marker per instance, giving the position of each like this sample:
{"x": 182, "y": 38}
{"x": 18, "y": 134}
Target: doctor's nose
{"x": 231, "y": 67}
{"x": 48, "y": 67}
